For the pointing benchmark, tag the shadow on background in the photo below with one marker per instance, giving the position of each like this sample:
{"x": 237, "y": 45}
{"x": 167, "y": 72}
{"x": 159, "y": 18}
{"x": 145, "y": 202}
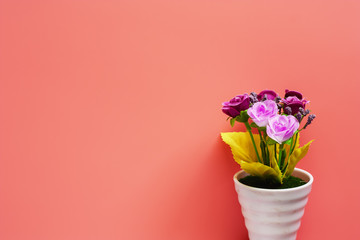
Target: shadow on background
{"x": 211, "y": 200}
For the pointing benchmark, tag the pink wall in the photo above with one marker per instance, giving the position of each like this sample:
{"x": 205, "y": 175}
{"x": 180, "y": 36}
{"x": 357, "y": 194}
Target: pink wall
{"x": 110, "y": 114}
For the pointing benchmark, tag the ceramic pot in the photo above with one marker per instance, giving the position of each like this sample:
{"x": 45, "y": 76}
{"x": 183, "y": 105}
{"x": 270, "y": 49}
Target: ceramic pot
{"x": 273, "y": 214}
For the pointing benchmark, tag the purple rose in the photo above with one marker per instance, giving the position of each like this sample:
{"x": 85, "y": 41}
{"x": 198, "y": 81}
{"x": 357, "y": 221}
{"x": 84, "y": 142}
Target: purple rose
{"x": 289, "y": 93}
{"x": 281, "y": 127}
{"x": 261, "y": 112}
{"x": 270, "y": 94}
{"x": 294, "y": 100}
{"x": 236, "y": 105}
{"x": 294, "y": 103}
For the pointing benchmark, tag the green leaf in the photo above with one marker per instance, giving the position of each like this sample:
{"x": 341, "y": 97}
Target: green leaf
{"x": 288, "y": 142}
{"x": 254, "y": 125}
{"x": 262, "y": 129}
{"x": 242, "y": 117}
{"x": 232, "y": 121}
{"x": 271, "y": 141}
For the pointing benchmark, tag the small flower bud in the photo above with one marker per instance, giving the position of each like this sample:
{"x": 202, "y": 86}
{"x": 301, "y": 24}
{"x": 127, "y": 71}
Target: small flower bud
{"x": 253, "y": 99}
{"x": 287, "y": 110}
{"x": 277, "y": 99}
{"x": 307, "y": 111}
{"x": 302, "y": 111}
{"x": 264, "y": 98}
{"x": 298, "y": 116}
{"x": 311, "y": 117}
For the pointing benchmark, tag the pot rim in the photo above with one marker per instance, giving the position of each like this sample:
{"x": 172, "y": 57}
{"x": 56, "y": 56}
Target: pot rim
{"x": 306, "y": 185}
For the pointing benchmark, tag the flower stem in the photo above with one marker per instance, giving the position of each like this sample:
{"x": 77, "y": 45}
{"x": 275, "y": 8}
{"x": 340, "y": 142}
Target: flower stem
{"x": 263, "y": 153}
{"x": 291, "y": 150}
{"x": 276, "y": 158}
{"x": 264, "y": 148}
{"x": 280, "y": 162}
{"x": 293, "y": 146}
{"x": 267, "y": 149}
{"x": 252, "y": 139}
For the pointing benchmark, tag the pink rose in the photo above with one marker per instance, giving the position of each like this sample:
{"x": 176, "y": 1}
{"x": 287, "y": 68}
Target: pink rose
{"x": 281, "y": 127}
{"x": 261, "y": 112}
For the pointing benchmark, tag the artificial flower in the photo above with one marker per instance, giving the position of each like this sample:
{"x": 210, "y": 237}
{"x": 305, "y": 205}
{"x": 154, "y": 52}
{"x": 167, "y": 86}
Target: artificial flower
{"x": 261, "y": 112}
{"x": 237, "y": 104}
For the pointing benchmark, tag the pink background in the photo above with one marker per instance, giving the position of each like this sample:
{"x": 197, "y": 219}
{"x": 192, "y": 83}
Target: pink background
{"x": 110, "y": 113}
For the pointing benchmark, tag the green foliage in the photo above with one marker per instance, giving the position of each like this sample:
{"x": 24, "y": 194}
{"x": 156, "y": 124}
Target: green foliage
{"x": 288, "y": 142}
{"x": 271, "y": 141}
{"x": 253, "y": 125}
{"x": 232, "y": 121}
{"x": 242, "y": 117}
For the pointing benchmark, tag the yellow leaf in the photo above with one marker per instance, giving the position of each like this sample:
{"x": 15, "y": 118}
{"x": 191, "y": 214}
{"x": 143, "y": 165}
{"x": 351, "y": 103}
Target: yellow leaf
{"x": 241, "y": 145}
{"x": 296, "y": 156}
{"x": 243, "y": 152}
{"x": 261, "y": 170}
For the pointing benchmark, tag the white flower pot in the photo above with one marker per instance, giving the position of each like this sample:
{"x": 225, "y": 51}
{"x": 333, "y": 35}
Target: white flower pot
{"x": 273, "y": 214}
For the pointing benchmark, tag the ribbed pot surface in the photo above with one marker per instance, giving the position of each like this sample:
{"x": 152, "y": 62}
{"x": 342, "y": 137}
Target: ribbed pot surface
{"x": 273, "y": 214}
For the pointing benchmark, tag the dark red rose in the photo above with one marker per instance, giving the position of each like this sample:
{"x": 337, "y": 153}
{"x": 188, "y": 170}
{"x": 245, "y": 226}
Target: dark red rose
{"x": 236, "y": 105}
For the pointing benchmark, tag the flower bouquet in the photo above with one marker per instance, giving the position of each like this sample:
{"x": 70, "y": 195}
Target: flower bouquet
{"x": 271, "y": 191}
